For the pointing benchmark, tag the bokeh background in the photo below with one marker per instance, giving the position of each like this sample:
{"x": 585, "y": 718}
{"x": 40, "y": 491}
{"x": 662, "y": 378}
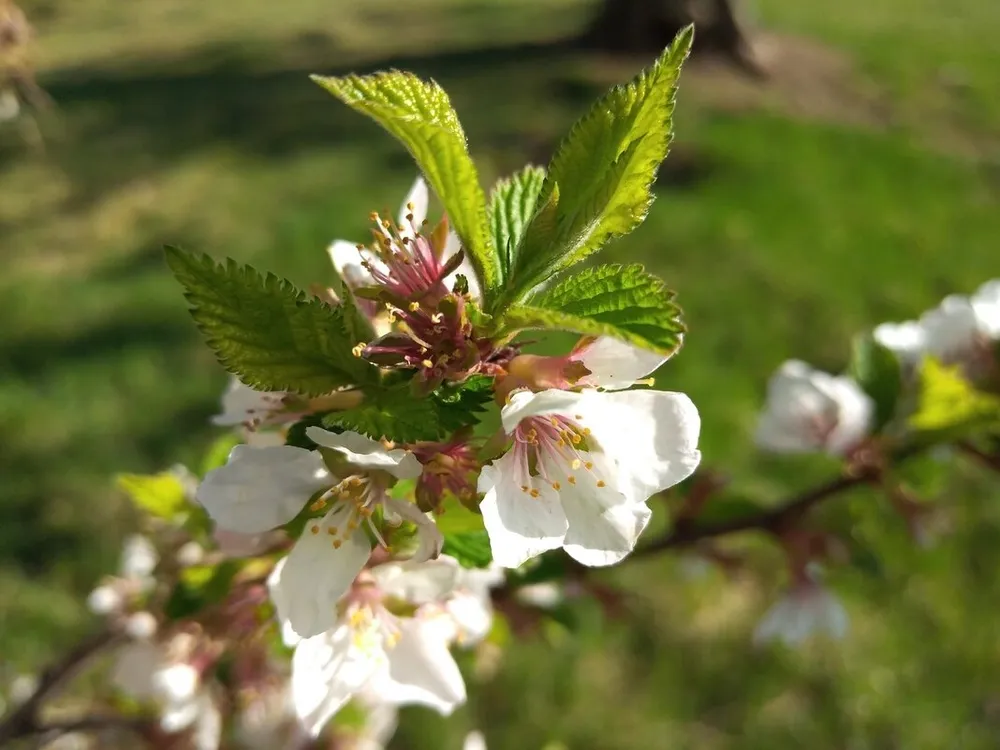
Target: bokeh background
{"x": 857, "y": 181}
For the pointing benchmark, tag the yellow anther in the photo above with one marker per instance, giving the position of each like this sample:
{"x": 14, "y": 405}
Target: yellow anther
{"x": 589, "y": 465}
{"x": 553, "y": 421}
{"x": 600, "y": 483}
{"x": 318, "y": 505}
{"x": 577, "y": 463}
{"x": 359, "y": 246}
{"x": 576, "y": 439}
{"x": 414, "y": 306}
{"x": 332, "y": 531}
{"x": 577, "y": 416}
{"x": 357, "y": 350}
{"x": 586, "y": 430}
{"x": 534, "y": 492}
{"x": 427, "y": 363}
{"x": 560, "y": 442}
{"x": 437, "y": 317}
{"x": 556, "y": 486}
{"x": 410, "y": 207}
{"x": 571, "y": 479}
{"x": 337, "y": 543}
{"x": 524, "y": 488}
{"x": 314, "y": 530}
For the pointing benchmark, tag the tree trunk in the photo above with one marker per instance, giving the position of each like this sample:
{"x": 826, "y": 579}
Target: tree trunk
{"x": 648, "y": 26}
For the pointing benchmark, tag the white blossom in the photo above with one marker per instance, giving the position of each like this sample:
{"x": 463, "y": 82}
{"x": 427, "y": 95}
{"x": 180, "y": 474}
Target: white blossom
{"x": 544, "y": 595}
{"x": 580, "y": 471}
{"x": 403, "y": 660}
{"x": 262, "y": 488}
{"x": 474, "y": 740}
{"x": 105, "y": 600}
{"x": 806, "y": 610}
{"x": 808, "y": 410}
{"x": 907, "y": 340}
{"x": 615, "y": 364}
{"x": 956, "y": 327}
{"x": 139, "y": 558}
{"x": 242, "y": 405}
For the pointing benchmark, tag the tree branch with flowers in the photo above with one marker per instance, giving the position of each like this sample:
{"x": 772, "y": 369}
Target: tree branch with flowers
{"x": 401, "y": 476}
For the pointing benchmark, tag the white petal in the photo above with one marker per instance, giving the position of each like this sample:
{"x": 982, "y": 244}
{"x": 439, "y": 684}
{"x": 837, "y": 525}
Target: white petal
{"x": 986, "y": 303}
{"x": 855, "y": 412}
{"x": 615, "y": 364}
{"x": 907, "y": 339}
{"x": 307, "y": 587}
{"x": 177, "y": 683}
{"x": 452, "y": 245}
{"x": 347, "y": 259}
{"x": 519, "y": 526}
{"x": 650, "y": 436}
{"x": 234, "y": 544}
{"x": 327, "y": 670}
{"x": 178, "y": 717}
{"x": 603, "y": 524}
{"x": 421, "y": 670}
{"x": 429, "y": 538}
{"x": 951, "y": 327}
{"x": 418, "y": 582}
{"x": 105, "y": 600}
{"x": 365, "y": 453}
{"x": 208, "y": 729}
{"x": 473, "y": 617}
{"x": 242, "y": 404}
{"x": 474, "y": 741}
{"x": 419, "y": 197}
{"x": 261, "y": 488}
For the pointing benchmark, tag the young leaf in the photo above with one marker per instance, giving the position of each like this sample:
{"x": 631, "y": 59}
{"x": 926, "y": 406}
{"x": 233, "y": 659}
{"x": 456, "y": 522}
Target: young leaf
{"x": 393, "y": 414}
{"x": 878, "y": 372}
{"x": 620, "y": 301}
{"x": 599, "y": 184}
{"x": 454, "y": 518}
{"x": 419, "y": 114}
{"x": 267, "y": 332}
{"x": 948, "y": 403}
{"x": 512, "y": 205}
{"x": 160, "y": 495}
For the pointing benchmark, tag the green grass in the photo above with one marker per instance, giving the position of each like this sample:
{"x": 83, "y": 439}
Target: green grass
{"x": 194, "y": 123}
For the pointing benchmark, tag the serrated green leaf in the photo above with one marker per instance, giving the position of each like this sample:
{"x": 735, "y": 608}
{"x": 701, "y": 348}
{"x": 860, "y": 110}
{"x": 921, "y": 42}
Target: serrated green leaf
{"x": 949, "y": 403}
{"x": 599, "y": 183}
{"x": 878, "y": 372}
{"x": 394, "y": 414}
{"x": 471, "y": 549}
{"x": 200, "y": 586}
{"x": 160, "y": 495}
{"x": 460, "y": 404}
{"x": 419, "y": 114}
{"x": 267, "y": 332}
{"x": 513, "y": 201}
{"x": 356, "y": 323}
{"x": 620, "y": 301}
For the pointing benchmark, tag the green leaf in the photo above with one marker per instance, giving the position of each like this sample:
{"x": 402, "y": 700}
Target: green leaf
{"x": 620, "y": 301}
{"x": 356, "y": 323}
{"x": 394, "y": 414}
{"x": 599, "y": 183}
{"x": 879, "y": 374}
{"x": 419, "y": 114}
{"x": 949, "y": 403}
{"x": 160, "y": 495}
{"x": 461, "y": 404}
{"x": 267, "y": 332}
{"x": 200, "y": 586}
{"x": 471, "y": 549}
{"x": 512, "y": 205}
{"x": 454, "y": 518}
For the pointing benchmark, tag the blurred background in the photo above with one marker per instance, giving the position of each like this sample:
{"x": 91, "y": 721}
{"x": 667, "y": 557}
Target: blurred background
{"x": 837, "y": 164}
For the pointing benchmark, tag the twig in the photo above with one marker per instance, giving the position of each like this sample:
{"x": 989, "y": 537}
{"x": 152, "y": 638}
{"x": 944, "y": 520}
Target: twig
{"x": 24, "y": 720}
{"x": 95, "y": 723}
{"x": 990, "y": 461}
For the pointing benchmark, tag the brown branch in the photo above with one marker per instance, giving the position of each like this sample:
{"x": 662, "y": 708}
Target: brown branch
{"x": 688, "y": 532}
{"x": 990, "y": 461}
{"x": 24, "y": 720}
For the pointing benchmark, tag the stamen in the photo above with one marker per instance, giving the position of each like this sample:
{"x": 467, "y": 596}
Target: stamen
{"x": 534, "y": 492}
{"x": 357, "y": 350}
{"x": 314, "y": 530}
{"x": 600, "y": 483}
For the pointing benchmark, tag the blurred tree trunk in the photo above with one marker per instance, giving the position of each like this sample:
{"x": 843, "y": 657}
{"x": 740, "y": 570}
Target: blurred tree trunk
{"x": 647, "y": 26}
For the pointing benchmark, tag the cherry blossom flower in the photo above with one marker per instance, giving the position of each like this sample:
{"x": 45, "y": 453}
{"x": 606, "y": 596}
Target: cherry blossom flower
{"x": 807, "y": 609}
{"x": 962, "y": 329}
{"x": 262, "y": 488}
{"x": 907, "y": 340}
{"x": 242, "y": 405}
{"x": 138, "y": 562}
{"x": 808, "y": 410}
{"x": 402, "y": 659}
{"x": 580, "y": 471}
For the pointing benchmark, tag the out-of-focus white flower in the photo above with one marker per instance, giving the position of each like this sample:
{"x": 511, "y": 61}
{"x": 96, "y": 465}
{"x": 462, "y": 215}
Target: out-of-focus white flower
{"x": 22, "y": 688}
{"x": 807, "y": 609}
{"x": 261, "y": 488}
{"x": 474, "y": 741}
{"x": 141, "y": 626}
{"x": 10, "y": 105}
{"x": 581, "y": 469}
{"x": 190, "y": 553}
{"x": 105, "y": 600}
{"x": 545, "y": 595}
{"x": 139, "y": 558}
{"x": 403, "y": 660}
{"x": 957, "y": 327}
{"x": 808, "y": 410}
{"x": 907, "y": 340}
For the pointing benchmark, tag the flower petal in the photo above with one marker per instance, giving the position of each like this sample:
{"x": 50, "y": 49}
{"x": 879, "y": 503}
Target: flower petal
{"x": 615, "y": 364}
{"x": 907, "y": 339}
{"x": 347, "y": 262}
{"x": 452, "y": 245}
{"x": 242, "y": 404}
{"x": 261, "y": 488}
{"x": 419, "y": 198}
{"x": 472, "y": 615}
{"x": 365, "y": 453}
{"x": 421, "y": 669}
{"x": 418, "y": 582}
{"x": 311, "y": 580}
{"x": 327, "y": 670}
{"x": 650, "y": 436}
{"x": 603, "y": 524}
{"x": 429, "y": 538}
{"x": 519, "y": 526}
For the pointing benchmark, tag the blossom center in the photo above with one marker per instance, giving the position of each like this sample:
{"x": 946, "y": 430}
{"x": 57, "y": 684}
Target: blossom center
{"x": 554, "y": 450}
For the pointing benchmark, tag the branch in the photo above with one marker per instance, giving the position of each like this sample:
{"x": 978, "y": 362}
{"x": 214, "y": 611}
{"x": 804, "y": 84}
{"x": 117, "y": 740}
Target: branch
{"x": 990, "y": 461}
{"x": 24, "y": 720}
{"x": 688, "y": 532}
